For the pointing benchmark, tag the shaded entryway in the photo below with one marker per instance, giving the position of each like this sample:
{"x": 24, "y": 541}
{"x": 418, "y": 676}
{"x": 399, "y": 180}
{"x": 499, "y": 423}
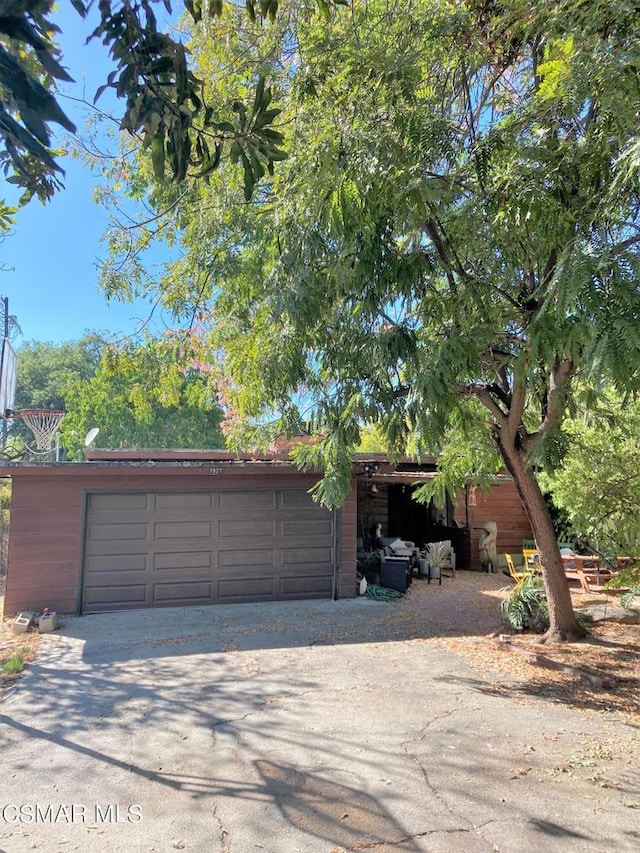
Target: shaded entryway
{"x": 391, "y": 504}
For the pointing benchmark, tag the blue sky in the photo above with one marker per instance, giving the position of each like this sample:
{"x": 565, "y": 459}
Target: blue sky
{"x": 52, "y": 255}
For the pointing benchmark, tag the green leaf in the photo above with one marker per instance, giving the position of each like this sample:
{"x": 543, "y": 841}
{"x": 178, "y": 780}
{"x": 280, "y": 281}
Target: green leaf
{"x": 259, "y": 96}
{"x": 158, "y": 154}
{"x": 211, "y": 164}
{"x": 324, "y": 9}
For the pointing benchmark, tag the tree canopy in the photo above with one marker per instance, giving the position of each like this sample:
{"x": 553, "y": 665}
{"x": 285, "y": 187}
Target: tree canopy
{"x": 598, "y": 483}
{"x": 47, "y": 371}
{"x": 166, "y": 106}
{"x": 137, "y": 394}
{"x": 144, "y": 396}
{"x": 453, "y": 238}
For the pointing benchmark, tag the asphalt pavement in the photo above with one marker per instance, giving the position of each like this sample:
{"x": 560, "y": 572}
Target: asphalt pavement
{"x": 303, "y": 727}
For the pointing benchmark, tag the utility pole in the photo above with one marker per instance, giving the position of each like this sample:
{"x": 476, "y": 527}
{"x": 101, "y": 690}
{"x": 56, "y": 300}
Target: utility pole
{"x": 5, "y": 305}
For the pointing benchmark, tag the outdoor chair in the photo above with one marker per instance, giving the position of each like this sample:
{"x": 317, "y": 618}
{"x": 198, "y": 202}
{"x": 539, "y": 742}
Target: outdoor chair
{"x": 531, "y": 557}
{"x": 395, "y": 546}
{"x": 514, "y": 572}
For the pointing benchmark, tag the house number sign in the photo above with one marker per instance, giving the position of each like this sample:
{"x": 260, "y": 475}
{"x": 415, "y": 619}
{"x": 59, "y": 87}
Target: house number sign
{"x": 215, "y": 470}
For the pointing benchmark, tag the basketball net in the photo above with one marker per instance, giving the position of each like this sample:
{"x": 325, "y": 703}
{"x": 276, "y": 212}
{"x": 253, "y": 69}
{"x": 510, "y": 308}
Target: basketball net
{"x": 44, "y": 424}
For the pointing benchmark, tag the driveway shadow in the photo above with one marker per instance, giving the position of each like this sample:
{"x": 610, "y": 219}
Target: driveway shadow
{"x": 460, "y": 606}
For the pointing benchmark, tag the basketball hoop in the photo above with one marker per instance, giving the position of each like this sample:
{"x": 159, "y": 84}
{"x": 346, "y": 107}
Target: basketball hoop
{"x": 44, "y": 424}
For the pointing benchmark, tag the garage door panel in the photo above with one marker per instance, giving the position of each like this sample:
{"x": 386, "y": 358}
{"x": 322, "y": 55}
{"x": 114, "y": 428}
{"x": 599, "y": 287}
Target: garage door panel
{"x": 303, "y": 510}
{"x": 254, "y": 528}
{"x": 298, "y": 498}
{"x": 176, "y": 593}
{"x": 306, "y": 527}
{"x": 182, "y": 560}
{"x": 118, "y": 502}
{"x": 122, "y": 563}
{"x": 305, "y": 542}
{"x": 170, "y": 548}
{"x": 119, "y": 531}
{"x": 183, "y": 530}
{"x": 125, "y": 548}
{"x": 246, "y": 502}
{"x": 246, "y": 589}
{"x": 116, "y": 580}
{"x": 183, "y": 500}
{"x": 246, "y": 557}
{"x": 311, "y": 586}
{"x": 300, "y": 556}
{"x": 111, "y": 598}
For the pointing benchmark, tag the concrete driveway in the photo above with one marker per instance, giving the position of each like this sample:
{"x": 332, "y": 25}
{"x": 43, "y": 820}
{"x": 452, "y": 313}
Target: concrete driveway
{"x": 306, "y": 727}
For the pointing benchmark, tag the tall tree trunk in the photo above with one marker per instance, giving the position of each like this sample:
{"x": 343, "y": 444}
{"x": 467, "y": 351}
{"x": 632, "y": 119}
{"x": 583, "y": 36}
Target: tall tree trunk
{"x": 562, "y": 620}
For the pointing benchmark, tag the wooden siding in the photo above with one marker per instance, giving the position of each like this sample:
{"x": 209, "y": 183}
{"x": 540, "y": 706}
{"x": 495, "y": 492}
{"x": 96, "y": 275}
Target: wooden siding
{"x": 502, "y": 505}
{"x": 45, "y": 535}
{"x": 47, "y": 521}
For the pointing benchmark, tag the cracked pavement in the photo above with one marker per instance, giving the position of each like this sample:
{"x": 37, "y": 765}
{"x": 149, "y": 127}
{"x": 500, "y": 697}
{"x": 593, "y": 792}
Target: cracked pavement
{"x": 300, "y": 727}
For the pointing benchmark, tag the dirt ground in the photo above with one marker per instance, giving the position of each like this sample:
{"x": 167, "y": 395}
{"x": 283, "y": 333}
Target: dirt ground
{"x": 600, "y": 673}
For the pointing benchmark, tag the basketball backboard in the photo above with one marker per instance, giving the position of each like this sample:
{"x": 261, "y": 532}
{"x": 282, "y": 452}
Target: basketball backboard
{"x": 8, "y": 370}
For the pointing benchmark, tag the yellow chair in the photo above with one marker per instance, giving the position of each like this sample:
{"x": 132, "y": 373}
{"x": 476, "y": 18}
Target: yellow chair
{"x": 515, "y": 574}
{"x": 531, "y": 557}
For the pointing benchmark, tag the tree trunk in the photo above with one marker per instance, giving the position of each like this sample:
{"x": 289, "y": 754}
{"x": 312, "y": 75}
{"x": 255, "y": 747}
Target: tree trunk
{"x": 563, "y": 625}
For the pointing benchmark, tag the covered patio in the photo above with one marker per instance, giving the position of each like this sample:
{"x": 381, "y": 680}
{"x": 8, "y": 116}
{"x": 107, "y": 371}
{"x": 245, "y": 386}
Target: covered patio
{"x": 385, "y": 496}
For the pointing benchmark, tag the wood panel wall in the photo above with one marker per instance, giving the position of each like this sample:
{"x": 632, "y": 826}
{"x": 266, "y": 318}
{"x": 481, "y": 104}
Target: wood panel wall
{"x": 347, "y": 546}
{"x": 47, "y": 518}
{"x": 502, "y": 505}
{"x": 45, "y": 534}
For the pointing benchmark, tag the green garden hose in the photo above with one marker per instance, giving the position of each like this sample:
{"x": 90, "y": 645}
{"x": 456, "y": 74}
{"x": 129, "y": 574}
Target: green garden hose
{"x": 381, "y": 593}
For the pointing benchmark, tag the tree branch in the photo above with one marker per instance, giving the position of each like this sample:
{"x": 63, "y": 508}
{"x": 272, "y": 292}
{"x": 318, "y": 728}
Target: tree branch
{"x": 483, "y": 393}
{"x": 432, "y": 231}
{"x": 516, "y": 408}
{"x": 503, "y": 395}
{"x": 560, "y": 375}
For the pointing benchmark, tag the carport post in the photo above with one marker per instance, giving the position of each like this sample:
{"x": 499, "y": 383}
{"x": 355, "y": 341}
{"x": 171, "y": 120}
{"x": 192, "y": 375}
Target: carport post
{"x": 336, "y": 544}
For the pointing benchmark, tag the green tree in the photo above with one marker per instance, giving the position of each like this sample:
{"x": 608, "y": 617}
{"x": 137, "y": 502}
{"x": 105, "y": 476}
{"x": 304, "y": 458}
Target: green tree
{"x": 453, "y": 238}
{"x": 46, "y": 371}
{"x": 164, "y": 104}
{"x": 143, "y": 396}
{"x": 138, "y": 394}
{"x": 598, "y": 482}
{"x": 45, "y": 374}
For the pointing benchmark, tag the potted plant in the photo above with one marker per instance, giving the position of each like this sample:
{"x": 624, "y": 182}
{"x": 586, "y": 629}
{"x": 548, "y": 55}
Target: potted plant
{"x": 438, "y": 558}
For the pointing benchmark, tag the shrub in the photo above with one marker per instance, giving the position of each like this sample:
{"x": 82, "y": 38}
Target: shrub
{"x": 628, "y": 582}
{"x": 525, "y": 607}
{"x": 369, "y": 565}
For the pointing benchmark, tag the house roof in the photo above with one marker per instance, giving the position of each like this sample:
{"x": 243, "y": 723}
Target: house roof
{"x": 375, "y": 467}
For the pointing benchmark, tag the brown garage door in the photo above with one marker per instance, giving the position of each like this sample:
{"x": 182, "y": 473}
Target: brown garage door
{"x": 159, "y": 549}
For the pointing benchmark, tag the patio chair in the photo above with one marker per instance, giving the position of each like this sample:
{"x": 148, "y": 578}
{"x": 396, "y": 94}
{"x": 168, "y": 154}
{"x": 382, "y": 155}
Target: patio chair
{"x": 513, "y": 571}
{"x": 531, "y": 557}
